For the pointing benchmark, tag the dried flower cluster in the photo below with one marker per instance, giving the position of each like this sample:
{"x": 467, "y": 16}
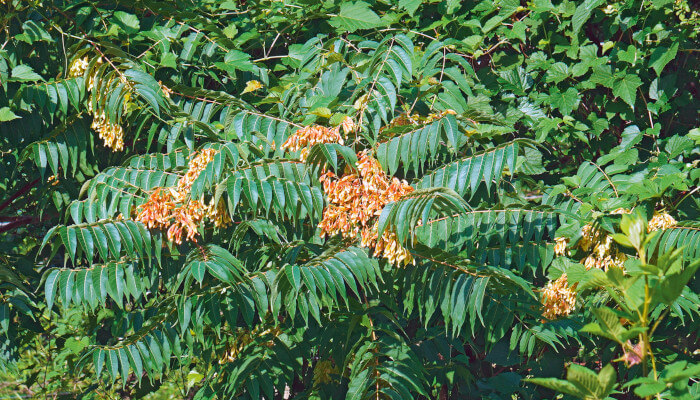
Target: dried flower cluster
{"x": 661, "y": 221}
{"x": 173, "y": 209}
{"x": 558, "y": 298}
{"x": 308, "y": 136}
{"x": 355, "y": 202}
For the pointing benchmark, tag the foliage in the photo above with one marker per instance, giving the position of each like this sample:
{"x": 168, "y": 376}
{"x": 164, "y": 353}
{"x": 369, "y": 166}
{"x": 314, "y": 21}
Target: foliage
{"x": 412, "y": 199}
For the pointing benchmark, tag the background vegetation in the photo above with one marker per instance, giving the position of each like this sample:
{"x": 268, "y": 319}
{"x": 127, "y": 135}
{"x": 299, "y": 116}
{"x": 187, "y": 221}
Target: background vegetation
{"x": 366, "y": 199}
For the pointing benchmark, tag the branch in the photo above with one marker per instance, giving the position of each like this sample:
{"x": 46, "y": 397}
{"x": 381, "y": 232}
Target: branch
{"x": 20, "y": 192}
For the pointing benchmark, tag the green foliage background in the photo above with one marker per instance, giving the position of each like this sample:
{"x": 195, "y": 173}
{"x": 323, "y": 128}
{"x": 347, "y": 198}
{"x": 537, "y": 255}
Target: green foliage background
{"x": 565, "y": 112}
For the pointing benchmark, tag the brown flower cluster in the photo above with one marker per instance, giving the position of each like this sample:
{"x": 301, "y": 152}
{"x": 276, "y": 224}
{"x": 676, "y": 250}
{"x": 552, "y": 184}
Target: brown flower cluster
{"x": 308, "y": 136}
{"x": 355, "y": 202}
{"x": 558, "y": 298}
{"x": 173, "y": 209}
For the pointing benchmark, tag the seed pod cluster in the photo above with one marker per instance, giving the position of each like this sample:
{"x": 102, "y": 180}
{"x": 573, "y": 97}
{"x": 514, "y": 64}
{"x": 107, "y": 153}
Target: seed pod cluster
{"x": 661, "y": 221}
{"x": 304, "y": 138}
{"x": 110, "y": 131}
{"x": 78, "y": 67}
{"x": 172, "y": 208}
{"x": 355, "y": 202}
{"x": 244, "y": 337}
{"x": 558, "y": 298}
{"x": 112, "y": 134}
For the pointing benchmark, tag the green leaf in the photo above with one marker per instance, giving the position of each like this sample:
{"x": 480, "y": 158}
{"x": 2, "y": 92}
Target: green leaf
{"x": 50, "y": 287}
{"x": 354, "y": 16}
{"x": 7, "y": 115}
{"x": 24, "y": 73}
{"x": 626, "y": 88}
{"x": 662, "y": 56}
{"x": 582, "y": 13}
{"x": 410, "y": 5}
{"x": 128, "y": 22}
{"x": 558, "y": 385}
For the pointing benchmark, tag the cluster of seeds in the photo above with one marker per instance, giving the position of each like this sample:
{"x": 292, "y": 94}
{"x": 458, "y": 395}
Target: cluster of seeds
{"x": 173, "y": 209}
{"x": 355, "y": 202}
{"x": 308, "y": 136}
{"x": 78, "y": 67}
{"x": 560, "y": 246}
{"x": 407, "y": 119}
{"x": 661, "y": 221}
{"x": 557, "y": 297}
{"x": 245, "y": 337}
{"x": 603, "y": 254}
{"x": 112, "y": 135}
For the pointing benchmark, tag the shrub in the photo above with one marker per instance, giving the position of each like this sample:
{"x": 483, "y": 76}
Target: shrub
{"x": 298, "y": 199}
